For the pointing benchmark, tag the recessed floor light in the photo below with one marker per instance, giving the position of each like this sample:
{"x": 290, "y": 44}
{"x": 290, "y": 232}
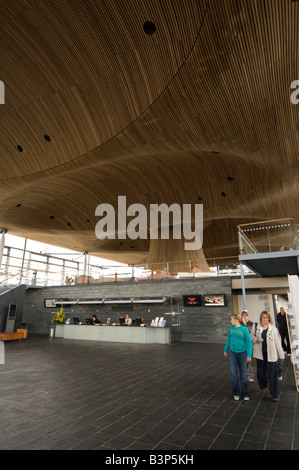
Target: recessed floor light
{"x": 149, "y": 27}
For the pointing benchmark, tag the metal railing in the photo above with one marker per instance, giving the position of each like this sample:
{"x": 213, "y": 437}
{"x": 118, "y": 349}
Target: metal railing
{"x": 20, "y": 266}
{"x": 268, "y": 236}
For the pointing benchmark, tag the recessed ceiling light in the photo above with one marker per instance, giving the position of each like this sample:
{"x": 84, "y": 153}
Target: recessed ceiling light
{"x": 69, "y": 224}
{"x": 223, "y": 194}
{"x": 47, "y": 138}
{"x": 52, "y": 216}
{"x": 20, "y": 148}
{"x": 149, "y": 27}
{"x": 230, "y": 178}
{"x": 18, "y": 205}
{"x": 199, "y": 198}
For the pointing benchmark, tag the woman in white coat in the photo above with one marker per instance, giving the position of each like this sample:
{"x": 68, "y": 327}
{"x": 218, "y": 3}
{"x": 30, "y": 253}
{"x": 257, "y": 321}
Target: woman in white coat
{"x": 267, "y": 350}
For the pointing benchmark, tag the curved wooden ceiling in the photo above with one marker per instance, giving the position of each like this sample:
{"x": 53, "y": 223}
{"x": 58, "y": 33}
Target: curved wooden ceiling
{"x": 197, "y": 112}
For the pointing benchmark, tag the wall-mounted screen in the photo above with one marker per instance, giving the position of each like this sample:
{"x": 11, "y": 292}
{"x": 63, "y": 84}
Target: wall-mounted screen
{"x": 50, "y": 303}
{"x": 214, "y": 300}
{"x": 192, "y": 300}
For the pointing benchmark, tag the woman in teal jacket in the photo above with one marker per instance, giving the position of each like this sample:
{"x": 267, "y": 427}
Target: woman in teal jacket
{"x": 239, "y": 346}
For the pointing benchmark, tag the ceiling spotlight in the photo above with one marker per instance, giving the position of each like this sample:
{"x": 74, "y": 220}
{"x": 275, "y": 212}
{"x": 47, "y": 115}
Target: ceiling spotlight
{"x": 149, "y": 27}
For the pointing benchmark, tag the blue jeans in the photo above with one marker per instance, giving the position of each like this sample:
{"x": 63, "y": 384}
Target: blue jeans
{"x": 267, "y": 375}
{"x": 238, "y": 362}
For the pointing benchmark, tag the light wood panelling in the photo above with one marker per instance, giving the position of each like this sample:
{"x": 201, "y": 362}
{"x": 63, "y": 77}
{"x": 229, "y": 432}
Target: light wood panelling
{"x": 198, "y": 112}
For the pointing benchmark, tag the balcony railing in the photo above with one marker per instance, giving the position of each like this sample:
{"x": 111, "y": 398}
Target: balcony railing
{"x": 37, "y": 269}
{"x": 267, "y": 236}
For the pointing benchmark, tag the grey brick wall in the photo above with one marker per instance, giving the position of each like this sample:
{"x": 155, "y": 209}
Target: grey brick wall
{"x": 201, "y": 324}
{"x": 10, "y": 295}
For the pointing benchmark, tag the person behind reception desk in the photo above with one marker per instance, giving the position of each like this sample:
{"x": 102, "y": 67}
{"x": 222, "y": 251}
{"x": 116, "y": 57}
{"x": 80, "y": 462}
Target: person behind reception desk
{"x": 94, "y": 320}
{"x": 128, "y": 320}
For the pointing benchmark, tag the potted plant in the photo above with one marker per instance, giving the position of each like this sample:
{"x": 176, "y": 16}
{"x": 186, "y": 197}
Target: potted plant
{"x": 58, "y": 319}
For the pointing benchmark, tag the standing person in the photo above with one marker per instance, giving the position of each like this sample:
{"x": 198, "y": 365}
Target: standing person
{"x": 283, "y": 330}
{"x": 267, "y": 350}
{"x": 252, "y": 363}
{"x": 240, "y": 351}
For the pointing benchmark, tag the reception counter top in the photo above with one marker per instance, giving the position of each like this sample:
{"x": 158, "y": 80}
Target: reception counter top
{"x": 118, "y": 334}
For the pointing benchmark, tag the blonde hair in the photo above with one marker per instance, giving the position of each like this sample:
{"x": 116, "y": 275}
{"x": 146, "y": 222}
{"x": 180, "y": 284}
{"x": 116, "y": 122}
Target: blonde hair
{"x": 268, "y": 315}
{"x": 236, "y": 316}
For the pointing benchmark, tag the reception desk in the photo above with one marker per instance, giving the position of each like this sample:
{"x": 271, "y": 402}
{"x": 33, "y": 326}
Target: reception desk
{"x": 117, "y": 334}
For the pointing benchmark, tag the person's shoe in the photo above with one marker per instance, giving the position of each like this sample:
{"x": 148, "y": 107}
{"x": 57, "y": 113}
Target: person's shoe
{"x": 250, "y": 380}
{"x": 236, "y": 398}
{"x": 246, "y": 398}
{"x": 280, "y": 377}
{"x": 274, "y": 399}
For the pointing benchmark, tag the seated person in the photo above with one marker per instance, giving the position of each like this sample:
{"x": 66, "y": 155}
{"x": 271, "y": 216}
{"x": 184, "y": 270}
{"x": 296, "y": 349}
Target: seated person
{"x": 128, "y": 320}
{"x": 94, "y": 320}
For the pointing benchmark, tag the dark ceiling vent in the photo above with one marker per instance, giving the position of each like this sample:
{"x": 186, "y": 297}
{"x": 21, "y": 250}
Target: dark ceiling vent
{"x": 149, "y": 27}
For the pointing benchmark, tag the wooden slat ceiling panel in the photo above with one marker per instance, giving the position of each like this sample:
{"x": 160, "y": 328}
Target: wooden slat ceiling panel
{"x": 166, "y": 117}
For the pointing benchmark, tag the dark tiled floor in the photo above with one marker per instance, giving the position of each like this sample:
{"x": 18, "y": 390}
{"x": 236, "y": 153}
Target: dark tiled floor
{"x": 65, "y": 394}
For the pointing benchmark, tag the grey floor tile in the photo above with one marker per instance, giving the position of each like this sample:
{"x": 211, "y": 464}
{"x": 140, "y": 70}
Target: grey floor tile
{"x": 60, "y": 394}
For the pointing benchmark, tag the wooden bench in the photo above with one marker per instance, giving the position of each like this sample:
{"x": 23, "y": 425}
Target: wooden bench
{"x": 19, "y": 334}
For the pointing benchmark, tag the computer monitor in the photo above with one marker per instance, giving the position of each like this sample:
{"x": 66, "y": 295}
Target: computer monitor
{"x": 76, "y": 320}
{"x": 138, "y": 321}
{"x": 121, "y": 320}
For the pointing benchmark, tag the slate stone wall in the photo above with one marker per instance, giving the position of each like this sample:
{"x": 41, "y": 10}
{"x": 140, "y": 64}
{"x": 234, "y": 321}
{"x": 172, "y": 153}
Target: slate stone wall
{"x": 201, "y": 324}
